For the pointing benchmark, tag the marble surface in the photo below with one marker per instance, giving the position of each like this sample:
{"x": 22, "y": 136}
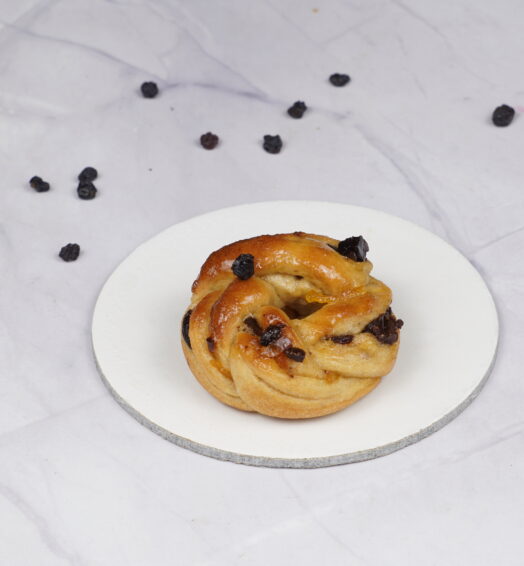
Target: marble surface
{"x": 82, "y": 483}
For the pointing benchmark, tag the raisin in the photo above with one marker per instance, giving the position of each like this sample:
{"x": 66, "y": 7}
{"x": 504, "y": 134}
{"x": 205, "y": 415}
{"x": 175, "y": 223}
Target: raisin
{"x": 338, "y": 79}
{"x": 295, "y": 354}
{"x": 272, "y": 144}
{"x": 87, "y": 175}
{"x": 70, "y": 252}
{"x": 210, "y": 344}
{"x": 503, "y": 115}
{"x": 244, "y": 266}
{"x": 86, "y": 191}
{"x": 342, "y": 339}
{"x": 385, "y": 327}
{"x": 209, "y": 140}
{"x": 185, "y": 327}
{"x": 149, "y": 89}
{"x": 35, "y": 181}
{"x": 38, "y": 184}
{"x": 354, "y": 248}
{"x": 270, "y": 334}
{"x": 252, "y": 323}
{"x": 297, "y": 110}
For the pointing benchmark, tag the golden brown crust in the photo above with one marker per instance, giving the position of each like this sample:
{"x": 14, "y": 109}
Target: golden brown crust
{"x": 313, "y": 293}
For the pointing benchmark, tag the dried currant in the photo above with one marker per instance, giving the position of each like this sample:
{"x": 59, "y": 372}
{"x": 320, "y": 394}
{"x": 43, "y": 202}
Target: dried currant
{"x": 385, "y": 327}
{"x": 38, "y": 184}
{"x": 503, "y": 115}
{"x": 244, "y": 266}
{"x": 209, "y": 140}
{"x": 210, "y": 344}
{"x": 342, "y": 339}
{"x": 86, "y": 191}
{"x": 149, "y": 89}
{"x": 272, "y": 144}
{"x": 339, "y": 79}
{"x": 270, "y": 334}
{"x": 354, "y": 248}
{"x": 185, "y": 327}
{"x": 87, "y": 175}
{"x": 297, "y": 110}
{"x": 35, "y": 181}
{"x": 295, "y": 354}
{"x": 252, "y": 323}
{"x": 70, "y": 252}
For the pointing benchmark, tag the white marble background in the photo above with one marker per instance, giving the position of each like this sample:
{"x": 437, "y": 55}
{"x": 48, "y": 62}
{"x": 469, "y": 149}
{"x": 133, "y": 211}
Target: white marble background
{"x": 81, "y": 483}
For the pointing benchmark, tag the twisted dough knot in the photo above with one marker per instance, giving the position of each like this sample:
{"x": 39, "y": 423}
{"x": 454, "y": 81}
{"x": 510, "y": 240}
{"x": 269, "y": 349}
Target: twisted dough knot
{"x": 305, "y": 332}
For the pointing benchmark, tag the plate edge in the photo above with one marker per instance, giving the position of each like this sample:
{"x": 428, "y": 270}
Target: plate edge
{"x": 298, "y": 463}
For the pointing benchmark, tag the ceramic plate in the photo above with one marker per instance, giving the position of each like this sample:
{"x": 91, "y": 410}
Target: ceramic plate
{"x": 448, "y": 341}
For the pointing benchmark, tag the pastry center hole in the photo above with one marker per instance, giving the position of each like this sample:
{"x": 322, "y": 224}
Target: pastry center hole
{"x": 300, "y": 308}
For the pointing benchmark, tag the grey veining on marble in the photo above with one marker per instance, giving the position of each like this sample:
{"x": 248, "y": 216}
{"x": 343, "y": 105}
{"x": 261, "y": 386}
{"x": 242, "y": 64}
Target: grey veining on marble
{"x": 81, "y": 483}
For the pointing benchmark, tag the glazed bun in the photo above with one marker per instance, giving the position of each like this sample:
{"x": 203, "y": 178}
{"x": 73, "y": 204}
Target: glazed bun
{"x": 290, "y": 325}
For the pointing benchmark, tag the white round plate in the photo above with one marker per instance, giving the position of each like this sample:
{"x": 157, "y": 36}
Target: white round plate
{"x": 447, "y": 346}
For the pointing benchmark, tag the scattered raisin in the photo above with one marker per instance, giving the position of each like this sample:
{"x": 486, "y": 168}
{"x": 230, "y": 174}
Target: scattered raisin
{"x": 209, "y": 140}
{"x": 87, "y": 175}
{"x": 70, "y": 252}
{"x": 295, "y": 354}
{"x": 35, "y": 181}
{"x": 210, "y": 344}
{"x": 503, "y": 115}
{"x": 354, "y": 248}
{"x": 185, "y": 327}
{"x": 385, "y": 327}
{"x": 86, "y": 190}
{"x": 297, "y": 110}
{"x": 149, "y": 89}
{"x": 272, "y": 144}
{"x": 252, "y": 323}
{"x": 38, "y": 184}
{"x": 270, "y": 334}
{"x": 342, "y": 339}
{"x": 244, "y": 266}
{"x": 338, "y": 79}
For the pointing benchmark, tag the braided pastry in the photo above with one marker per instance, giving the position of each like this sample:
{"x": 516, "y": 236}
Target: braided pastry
{"x": 290, "y": 325}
